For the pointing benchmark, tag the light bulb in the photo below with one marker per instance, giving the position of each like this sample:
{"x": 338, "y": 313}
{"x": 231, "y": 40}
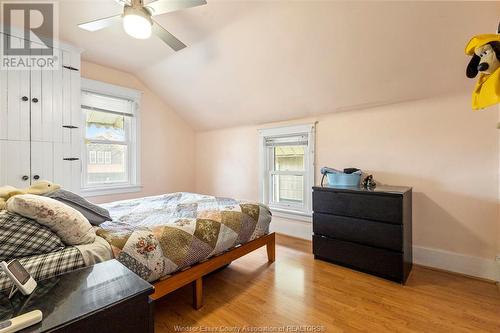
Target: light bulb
{"x": 137, "y": 26}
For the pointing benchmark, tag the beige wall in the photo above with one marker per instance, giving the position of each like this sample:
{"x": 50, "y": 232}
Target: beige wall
{"x": 446, "y": 152}
{"x": 167, "y": 141}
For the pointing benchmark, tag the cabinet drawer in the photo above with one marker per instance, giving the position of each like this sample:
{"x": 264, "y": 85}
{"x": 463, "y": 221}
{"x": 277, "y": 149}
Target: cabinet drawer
{"x": 384, "y": 263}
{"x": 384, "y": 235}
{"x": 385, "y": 208}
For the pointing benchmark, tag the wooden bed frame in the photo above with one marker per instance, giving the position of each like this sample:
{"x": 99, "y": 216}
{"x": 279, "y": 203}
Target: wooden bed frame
{"x": 195, "y": 273}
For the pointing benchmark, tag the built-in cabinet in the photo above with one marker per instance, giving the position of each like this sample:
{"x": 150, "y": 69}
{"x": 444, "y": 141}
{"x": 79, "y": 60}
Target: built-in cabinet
{"x": 40, "y": 123}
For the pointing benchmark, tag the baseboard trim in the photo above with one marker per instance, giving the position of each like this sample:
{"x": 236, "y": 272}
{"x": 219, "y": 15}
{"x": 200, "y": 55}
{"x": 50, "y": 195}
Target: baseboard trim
{"x": 456, "y": 262}
{"x": 294, "y": 228}
{"x": 433, "y": 258}
{"x": 456, "y": 273}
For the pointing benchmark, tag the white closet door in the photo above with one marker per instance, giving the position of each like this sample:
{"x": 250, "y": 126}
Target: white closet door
{"x": 66, "y": 97}
{"x": 72, "y": 116}
{"x": 15, "y": 163}
{"x": 68, "y": 173}
{"x": 42, "y": 160}
{"x": 55, "y": 124}
{"x": 3, "y": 103}
{"x": 47, "y": 104}
{"x": 36, "y": 101}
{"x": 48, "y": 162}
{"x": 57, "y": 101}
{"x": 15, "y": 102}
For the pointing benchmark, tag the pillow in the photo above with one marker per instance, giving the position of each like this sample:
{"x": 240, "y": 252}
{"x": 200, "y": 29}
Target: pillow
{"x": 22, "y": 237}
{"x": 68, "y": 223}
{"x": 95, "y": 214}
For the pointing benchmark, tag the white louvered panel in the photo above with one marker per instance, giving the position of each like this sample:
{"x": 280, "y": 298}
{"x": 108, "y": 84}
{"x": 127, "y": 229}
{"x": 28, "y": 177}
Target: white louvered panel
{"x": 14, "y": 163}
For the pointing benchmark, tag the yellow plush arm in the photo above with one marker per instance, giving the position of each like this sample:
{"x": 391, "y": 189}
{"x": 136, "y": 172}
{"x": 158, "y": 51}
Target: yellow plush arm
{"x": 8, "y": 191}
{"x": 42, "y": 187}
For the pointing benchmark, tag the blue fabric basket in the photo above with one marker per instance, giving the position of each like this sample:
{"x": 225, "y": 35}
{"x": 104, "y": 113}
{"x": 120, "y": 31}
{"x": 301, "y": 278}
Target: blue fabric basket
{"x": 344, "y": 179}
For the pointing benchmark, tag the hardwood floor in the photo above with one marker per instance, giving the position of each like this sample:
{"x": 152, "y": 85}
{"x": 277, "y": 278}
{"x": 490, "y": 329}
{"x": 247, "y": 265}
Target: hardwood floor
{"x": 298, "y": 290}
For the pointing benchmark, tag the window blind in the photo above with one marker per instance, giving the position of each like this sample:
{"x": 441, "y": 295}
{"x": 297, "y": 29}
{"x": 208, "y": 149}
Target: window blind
{"x": 102, "y": 103}
{"x": 295, "y": 140}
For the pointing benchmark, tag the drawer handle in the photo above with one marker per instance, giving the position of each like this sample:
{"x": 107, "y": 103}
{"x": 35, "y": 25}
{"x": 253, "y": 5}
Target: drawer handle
{"x": 70, "y": 126}
{"x": 71, "y": 158}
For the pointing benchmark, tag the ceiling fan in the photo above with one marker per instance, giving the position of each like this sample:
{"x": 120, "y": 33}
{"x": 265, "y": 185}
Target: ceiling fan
{"x": 138, "y": 22}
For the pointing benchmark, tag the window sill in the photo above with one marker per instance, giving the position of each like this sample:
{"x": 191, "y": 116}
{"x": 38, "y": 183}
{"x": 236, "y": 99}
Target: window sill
{"x": 292, "y": 214}
{"x": 98, "y": 191}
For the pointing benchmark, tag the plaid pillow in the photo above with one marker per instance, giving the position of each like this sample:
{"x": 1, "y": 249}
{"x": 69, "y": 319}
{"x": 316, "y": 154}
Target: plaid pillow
{"x": 21, "y": 237}
{"x": 43, "y": 266}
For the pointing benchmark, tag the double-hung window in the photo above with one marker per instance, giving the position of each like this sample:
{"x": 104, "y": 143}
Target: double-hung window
{"x": 111, "y": 151}
{"x": 287, "y": 169}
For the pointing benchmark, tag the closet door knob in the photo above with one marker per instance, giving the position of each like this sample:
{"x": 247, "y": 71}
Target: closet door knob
{"x": 36, "y": 177}
{"x": 25, "y": 178}
{"x": 35, "y": 100}
{"x": 25, "y": 98}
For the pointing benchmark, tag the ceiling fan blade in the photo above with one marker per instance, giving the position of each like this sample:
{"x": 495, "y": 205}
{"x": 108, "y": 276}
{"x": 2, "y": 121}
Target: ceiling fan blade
{"x": 123, "y": 2}
{"x": 166, "y": 6}
{"x": 167, "y": 37}
{"x": 100, "y": 23}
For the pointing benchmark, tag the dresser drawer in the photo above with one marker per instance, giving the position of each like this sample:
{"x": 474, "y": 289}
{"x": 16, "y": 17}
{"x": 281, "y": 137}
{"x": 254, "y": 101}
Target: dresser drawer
{"x": 384, "y": 263}
{"x": 387, "y": 208}
{"x": 384, "y": 235}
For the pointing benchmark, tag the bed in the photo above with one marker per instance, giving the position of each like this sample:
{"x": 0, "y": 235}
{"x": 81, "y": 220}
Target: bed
{"x": 170, "y": 240}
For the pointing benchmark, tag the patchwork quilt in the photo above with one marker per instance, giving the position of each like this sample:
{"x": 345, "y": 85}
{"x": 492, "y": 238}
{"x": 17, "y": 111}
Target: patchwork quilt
{"x": 159, "y": 235}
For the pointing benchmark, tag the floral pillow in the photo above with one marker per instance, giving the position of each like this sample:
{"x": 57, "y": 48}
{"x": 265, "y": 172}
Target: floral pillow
{"x": 66, "y": 222}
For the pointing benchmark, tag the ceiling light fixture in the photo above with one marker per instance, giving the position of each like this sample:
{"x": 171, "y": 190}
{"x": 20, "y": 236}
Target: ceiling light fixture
{"x": 137, "y": 22}
{"x": 138, "y": 19}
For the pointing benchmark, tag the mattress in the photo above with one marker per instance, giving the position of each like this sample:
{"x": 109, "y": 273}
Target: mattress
{"x": 157, "y": 236}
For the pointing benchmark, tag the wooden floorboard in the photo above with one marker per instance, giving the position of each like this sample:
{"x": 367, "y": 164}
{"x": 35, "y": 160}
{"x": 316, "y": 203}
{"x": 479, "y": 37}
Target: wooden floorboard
{"x": 298, "y": 290}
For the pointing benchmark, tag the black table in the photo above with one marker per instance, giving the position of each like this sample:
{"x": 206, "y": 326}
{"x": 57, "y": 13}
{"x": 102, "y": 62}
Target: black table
{"x": 107, "y": 297}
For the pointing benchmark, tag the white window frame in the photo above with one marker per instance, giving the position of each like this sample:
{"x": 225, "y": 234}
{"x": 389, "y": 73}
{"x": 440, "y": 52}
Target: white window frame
{"x": 134, "y": 151}
{"x": 266, "y": 158}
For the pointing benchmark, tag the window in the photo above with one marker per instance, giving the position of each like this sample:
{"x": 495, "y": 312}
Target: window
{"x": 107, "y": 157}
{"x": 92, "y": 157}
{"x": 287, "y": 169}
{"x": 111, "y": 152}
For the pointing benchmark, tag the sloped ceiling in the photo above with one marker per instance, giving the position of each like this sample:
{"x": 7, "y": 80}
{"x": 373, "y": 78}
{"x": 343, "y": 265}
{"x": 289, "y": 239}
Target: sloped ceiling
{"x": 252, "y": 62}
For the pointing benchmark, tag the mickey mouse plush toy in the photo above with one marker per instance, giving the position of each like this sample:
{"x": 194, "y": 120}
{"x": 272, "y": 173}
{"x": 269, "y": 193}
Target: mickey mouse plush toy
{"x": 485, "y": 52}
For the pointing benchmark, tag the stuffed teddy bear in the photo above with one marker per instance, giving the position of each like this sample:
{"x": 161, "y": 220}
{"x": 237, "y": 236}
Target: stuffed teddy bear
{"x": 38, "y": 188}
{"x": 485, "y": 52}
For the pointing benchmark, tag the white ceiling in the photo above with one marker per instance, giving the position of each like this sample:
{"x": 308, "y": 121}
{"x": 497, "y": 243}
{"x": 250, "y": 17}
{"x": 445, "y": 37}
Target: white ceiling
{"x": 252, "y": 62}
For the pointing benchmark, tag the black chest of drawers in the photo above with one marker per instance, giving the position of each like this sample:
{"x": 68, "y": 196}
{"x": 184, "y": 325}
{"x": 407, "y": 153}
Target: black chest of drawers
{"x": 367, "y": 230}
